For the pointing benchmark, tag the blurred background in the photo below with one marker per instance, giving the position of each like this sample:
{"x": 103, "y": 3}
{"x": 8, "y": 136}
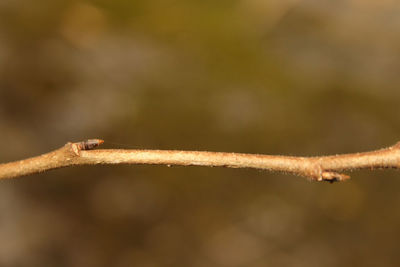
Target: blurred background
{"x": 274, "y": 77}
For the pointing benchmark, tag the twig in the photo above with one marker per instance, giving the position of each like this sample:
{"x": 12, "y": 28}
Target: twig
{"x": 325, "y": 168}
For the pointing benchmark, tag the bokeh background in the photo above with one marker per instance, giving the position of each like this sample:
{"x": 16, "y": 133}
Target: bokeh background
{"x": 291, "y": 77}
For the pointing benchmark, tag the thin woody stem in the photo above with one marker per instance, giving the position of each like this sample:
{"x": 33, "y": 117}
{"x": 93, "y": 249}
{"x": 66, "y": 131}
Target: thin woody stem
{"x": 327, "y": 168}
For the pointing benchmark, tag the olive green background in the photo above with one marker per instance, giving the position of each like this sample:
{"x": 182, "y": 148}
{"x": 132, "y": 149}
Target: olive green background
{"x": 276, "y": 77}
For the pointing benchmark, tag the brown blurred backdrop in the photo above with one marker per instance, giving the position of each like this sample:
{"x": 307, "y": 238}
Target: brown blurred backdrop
{"x": 276, "y": 77}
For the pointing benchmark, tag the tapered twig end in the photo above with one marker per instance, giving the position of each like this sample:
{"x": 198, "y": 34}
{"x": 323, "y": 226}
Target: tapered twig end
{"x": 397, "y": 145}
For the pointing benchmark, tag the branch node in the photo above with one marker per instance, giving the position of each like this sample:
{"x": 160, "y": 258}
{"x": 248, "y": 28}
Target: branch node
{"x": 318, "y": 173}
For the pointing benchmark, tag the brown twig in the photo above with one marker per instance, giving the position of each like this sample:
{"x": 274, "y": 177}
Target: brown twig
{"x": 325, "y": 168}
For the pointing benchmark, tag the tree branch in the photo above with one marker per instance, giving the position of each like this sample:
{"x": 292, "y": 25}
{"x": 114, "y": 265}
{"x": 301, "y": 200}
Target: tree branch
{"x": 326, "y": 168}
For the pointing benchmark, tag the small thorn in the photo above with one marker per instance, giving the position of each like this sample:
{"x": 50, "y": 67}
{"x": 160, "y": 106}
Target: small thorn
{"x": 89, "y": 144}
{"x": 334, "y": 177}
